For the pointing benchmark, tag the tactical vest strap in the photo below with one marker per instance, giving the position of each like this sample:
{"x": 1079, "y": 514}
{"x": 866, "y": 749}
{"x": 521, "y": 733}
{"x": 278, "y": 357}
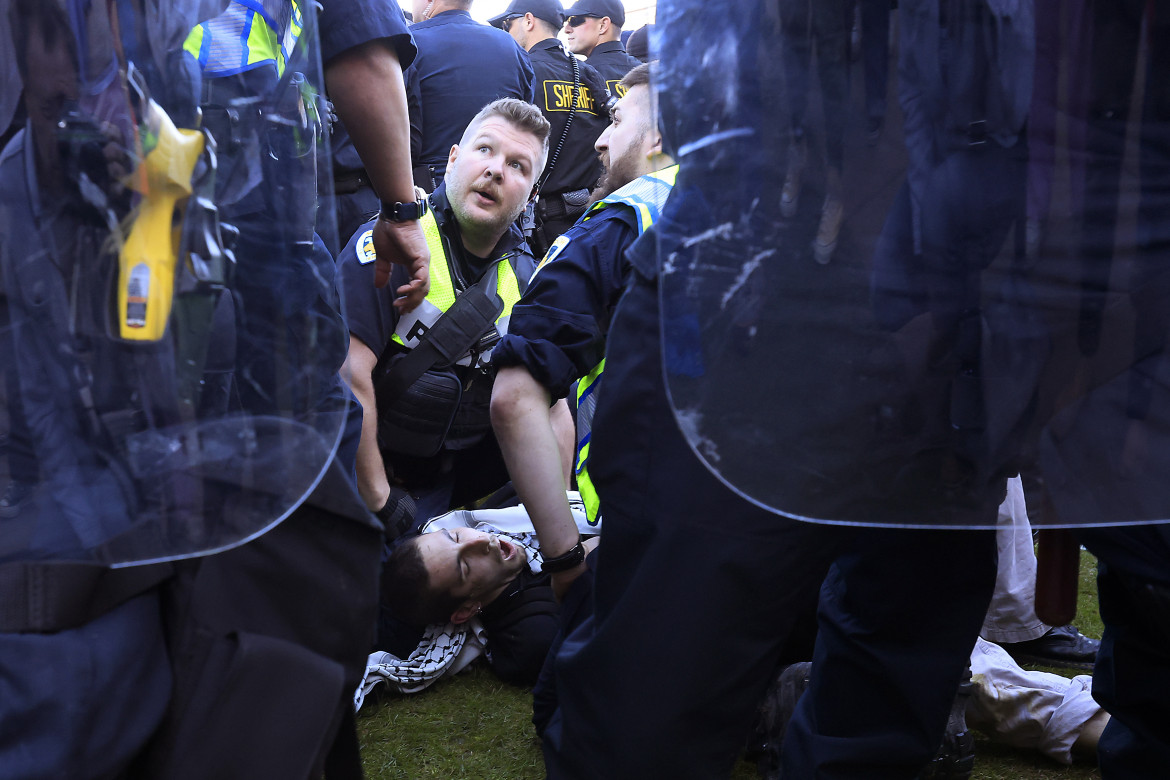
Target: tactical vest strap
{"x": 460, "y": 327}
{"x": 50, "y": 596}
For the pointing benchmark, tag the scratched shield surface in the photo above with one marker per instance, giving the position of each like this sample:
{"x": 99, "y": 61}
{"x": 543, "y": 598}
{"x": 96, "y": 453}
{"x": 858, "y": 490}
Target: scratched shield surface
{"x": 911, "y": 254}
{"x": 169, "y": 328}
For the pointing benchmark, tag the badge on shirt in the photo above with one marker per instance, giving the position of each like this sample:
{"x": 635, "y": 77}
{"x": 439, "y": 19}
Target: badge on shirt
{"x": 365, "y": 247}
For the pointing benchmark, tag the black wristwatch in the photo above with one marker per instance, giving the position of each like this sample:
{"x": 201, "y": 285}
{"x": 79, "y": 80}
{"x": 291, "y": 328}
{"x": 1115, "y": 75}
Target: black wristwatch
{"x": 572, "y": 558}
{"x": 403, "y": 212}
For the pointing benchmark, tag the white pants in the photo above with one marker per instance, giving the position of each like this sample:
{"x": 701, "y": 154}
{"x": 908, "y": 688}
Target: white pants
{"x": 1011, "y": 617}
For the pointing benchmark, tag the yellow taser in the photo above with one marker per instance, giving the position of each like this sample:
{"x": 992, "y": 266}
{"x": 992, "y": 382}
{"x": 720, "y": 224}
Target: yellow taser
{"x": 146, "y": 281}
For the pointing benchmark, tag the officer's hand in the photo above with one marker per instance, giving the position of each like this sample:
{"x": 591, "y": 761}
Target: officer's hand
{"x": 562, "y": 580}
{"x": 397, "y": 514}
{"x": 402, "y": 243}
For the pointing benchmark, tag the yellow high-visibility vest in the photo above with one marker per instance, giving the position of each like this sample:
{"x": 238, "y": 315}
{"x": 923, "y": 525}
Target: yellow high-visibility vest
{"x": 646, "y": 196}
{"x": 243, "y": 37}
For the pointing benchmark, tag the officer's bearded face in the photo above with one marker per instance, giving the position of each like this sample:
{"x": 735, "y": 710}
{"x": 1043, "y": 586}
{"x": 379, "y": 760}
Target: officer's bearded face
{"x": 489, "y": 178}
{"x": 625, "y": 146}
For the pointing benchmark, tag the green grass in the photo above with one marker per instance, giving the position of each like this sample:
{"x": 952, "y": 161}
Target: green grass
{"x": 474, "y": 726}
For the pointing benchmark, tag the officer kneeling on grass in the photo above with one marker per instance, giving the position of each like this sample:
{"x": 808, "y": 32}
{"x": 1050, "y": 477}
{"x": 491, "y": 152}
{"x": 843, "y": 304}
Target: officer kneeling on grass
{"x": 423, "y": 377}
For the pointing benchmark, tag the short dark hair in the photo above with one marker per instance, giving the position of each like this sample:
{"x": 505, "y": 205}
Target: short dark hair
{"x": 638, "y": 77}
{"x": 407, "y": 590}
{"x": 548, "y": 27}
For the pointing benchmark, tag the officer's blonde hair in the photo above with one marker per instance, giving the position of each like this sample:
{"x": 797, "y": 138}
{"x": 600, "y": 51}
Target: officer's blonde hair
{"x": 523, "y": 115}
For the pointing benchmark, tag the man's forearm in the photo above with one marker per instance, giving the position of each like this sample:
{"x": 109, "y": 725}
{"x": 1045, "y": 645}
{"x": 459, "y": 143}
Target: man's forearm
{"x": 357, "y": 371}
{"x": 373, "y": 485}
{"x": 365, "y": 85}
{"x": 521, "y": 416}
{"x": 366, "y": 88}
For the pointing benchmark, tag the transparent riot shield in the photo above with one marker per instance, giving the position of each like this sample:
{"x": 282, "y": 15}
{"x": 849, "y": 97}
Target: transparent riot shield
{"x": 913, "y": 252}
{"x": 169, "y": 325}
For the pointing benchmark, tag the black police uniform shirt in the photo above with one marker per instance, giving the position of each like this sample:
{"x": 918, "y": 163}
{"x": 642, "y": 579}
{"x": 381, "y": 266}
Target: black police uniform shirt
{"x": 558, "y": 328}
{"x": 461, "y": 66}
{"x": 577, "y": 165}
{"x": 613, "y": 63}
{"x": 348, "y": 23}
{"x": 369, "y": 311}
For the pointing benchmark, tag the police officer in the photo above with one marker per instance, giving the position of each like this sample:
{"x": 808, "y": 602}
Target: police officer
{"x": 572, "y": 96}
{"x": 638, "y": 44}
{"x": 49, "y": 724}
{"x": 354, "y": 177}
{"x": 429, "y": 430}
{"x": 300, "y": 600}
{"x": 558, "y": 330}
{"x": 593, "y": 29}
{"x": 462, "y": 66}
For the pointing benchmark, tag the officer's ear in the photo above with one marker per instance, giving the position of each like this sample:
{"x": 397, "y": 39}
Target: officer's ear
{"x": 464, "y": 612}
{"x": 656, "y": 149}
{"x": 453, "y": 155}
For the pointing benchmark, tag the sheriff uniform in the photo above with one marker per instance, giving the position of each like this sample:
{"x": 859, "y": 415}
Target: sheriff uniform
{"x": 461, "y": 66}
{"x": 609, "y": 57}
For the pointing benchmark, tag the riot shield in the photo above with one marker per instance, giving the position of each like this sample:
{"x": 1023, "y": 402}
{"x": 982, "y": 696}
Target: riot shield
{"x": 169, "y": 325}
{"x": 912, "y": 253}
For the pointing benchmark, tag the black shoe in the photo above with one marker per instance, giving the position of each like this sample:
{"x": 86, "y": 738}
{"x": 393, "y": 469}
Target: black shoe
{"x": 955, "y": 758}
{"x": 775, "y": 713}
{"x": 13, "y": 498}
{"x": 1063, "y": 646}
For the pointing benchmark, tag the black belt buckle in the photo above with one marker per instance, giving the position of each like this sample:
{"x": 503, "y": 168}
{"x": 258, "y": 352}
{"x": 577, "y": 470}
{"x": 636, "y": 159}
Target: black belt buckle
{"x": 977, "y": 133}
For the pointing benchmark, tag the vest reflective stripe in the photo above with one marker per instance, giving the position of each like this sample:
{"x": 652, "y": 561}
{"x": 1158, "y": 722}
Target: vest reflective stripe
{"x": 586, "y": 406}
{"x": 243, "y": 37}
{"x": 645, "y": 196}
{"x": 442, "y": 293}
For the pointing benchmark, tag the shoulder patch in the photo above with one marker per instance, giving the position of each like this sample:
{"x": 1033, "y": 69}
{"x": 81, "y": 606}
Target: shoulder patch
{"x": 365, "y": 247}
{"x": 560, "y": 243}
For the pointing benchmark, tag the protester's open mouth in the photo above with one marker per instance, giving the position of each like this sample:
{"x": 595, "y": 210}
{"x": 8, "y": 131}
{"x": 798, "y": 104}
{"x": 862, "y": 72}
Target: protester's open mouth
{"x": 507, "y": 550}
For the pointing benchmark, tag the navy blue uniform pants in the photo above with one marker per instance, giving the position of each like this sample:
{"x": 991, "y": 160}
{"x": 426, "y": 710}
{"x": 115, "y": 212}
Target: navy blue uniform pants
{"x": 898, "y": 617}
{"x": 1132, "y": 675}
{"x": 697, "y": 593}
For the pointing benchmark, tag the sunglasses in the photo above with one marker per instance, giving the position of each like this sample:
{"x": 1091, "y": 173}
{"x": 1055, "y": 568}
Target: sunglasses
{"x": 506, "y": 22}
{"x": 577, "y": 21}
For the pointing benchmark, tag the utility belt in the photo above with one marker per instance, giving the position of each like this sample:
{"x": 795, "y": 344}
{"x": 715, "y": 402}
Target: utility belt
{"x": 427, "y": 177}
{"x": 51, "y": 596}
{"x": 553, "y": 215}
{"x": 349, "y": 182}
{"x": 562, "y": 205}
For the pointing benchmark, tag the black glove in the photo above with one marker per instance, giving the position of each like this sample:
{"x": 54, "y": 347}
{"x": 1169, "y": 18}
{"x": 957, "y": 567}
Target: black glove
{"x": 397, "y": 514}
